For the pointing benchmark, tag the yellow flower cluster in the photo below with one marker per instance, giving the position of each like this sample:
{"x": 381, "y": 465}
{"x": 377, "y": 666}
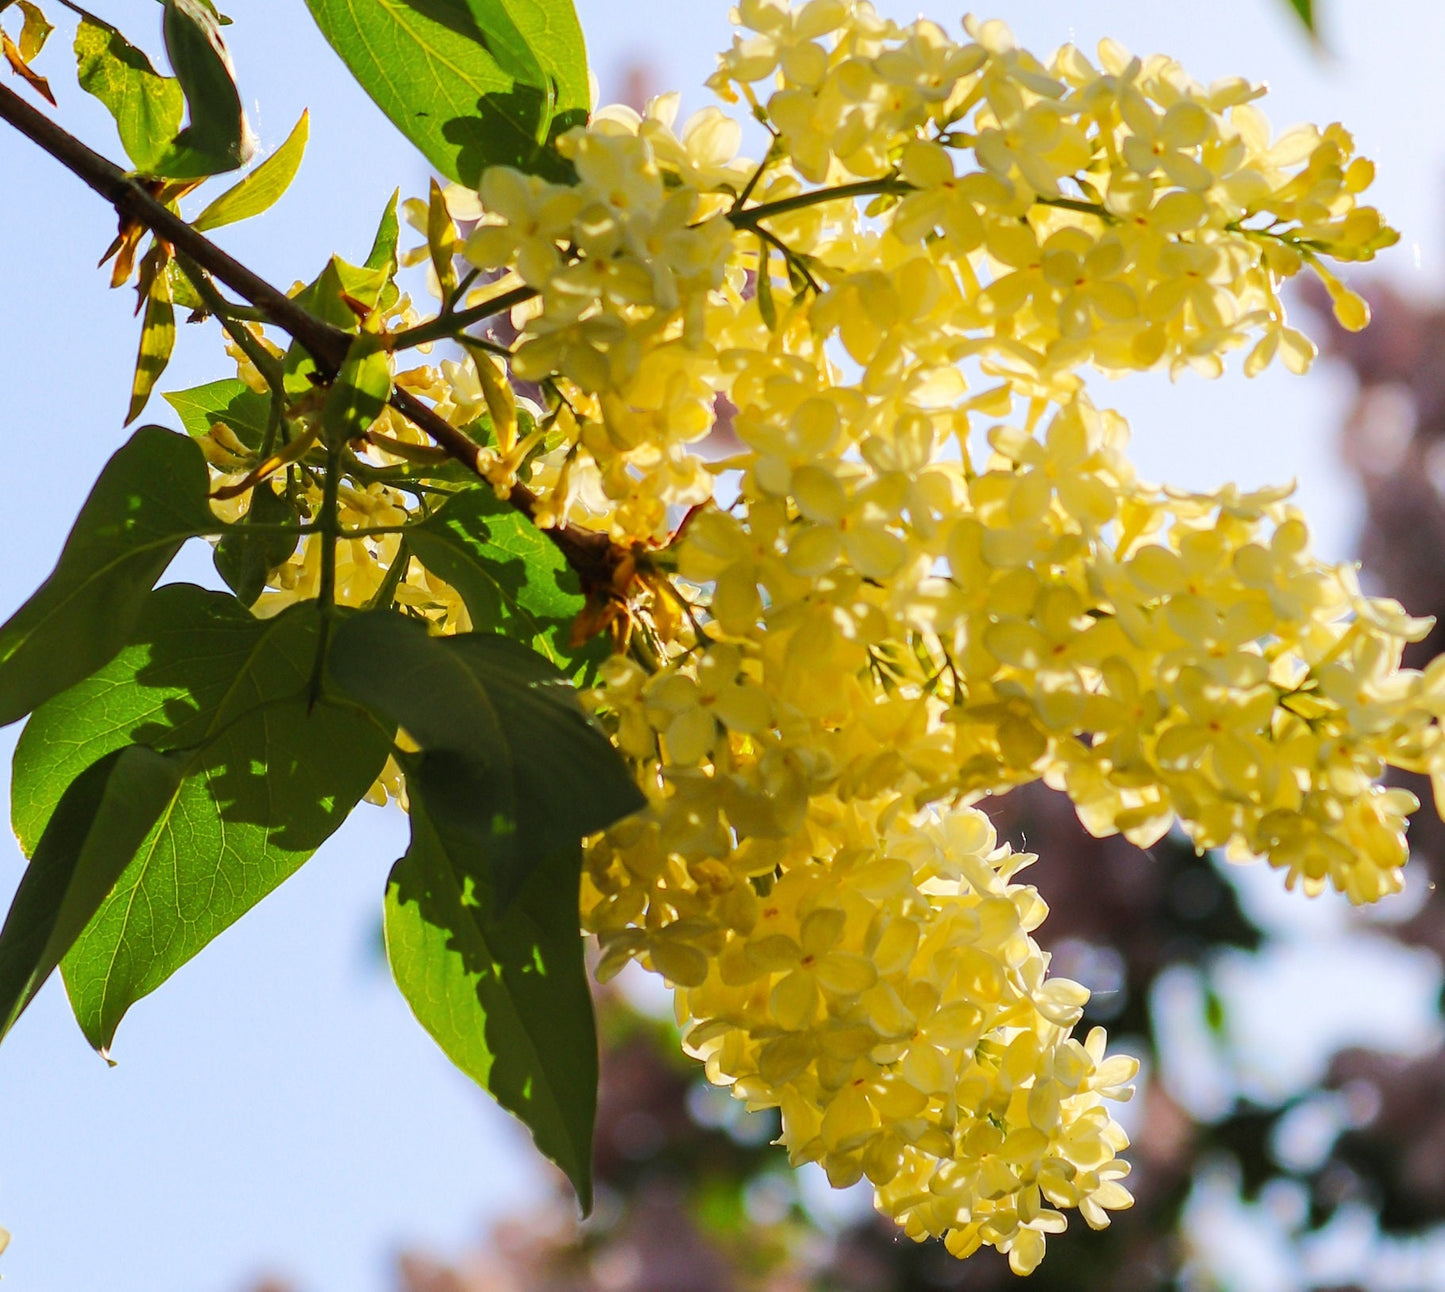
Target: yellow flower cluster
{"x": 870, "y": 972}
{"x": 927, "y": 207}
{"x": 897, "y": 561}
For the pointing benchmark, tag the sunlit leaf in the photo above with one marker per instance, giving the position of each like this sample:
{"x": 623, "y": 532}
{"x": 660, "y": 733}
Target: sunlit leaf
{"x": 262, "y": 188}
{"x": 441, "y": 240}
{"x": 35, "y": 31}
{"x": 513, "y": 579}
{"x": 147, "y": 107}
{"x": 473, "y": 83}
{"x": 383, "y": 246}
{"x": 229, "y": 401}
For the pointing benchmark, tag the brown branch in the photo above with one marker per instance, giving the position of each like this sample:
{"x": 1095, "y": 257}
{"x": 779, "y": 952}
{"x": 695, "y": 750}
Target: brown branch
{"x": 594, "y": 557}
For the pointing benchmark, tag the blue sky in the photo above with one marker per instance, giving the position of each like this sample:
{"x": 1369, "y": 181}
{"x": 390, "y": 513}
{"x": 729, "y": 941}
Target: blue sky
{"x": 274, "y": 1106}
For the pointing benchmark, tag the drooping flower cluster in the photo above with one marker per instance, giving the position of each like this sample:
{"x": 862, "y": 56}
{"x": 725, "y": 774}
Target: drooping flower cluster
{"x": 894, "y": 560}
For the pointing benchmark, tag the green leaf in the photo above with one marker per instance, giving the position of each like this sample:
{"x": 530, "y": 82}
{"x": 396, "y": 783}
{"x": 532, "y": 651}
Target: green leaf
{"x": 341, "y": 294}
{"x": 245, "y": 559}
{"x": 149, "y": 499}
{"x": 383, "y": 246}
{"x": 262, "y": 188}
{"x": 268, "y": 777}
{"x": 96, "y": 827}
{"x": 510, "y": 762}
{"x": 217, "y": 138}
{"x": 157, "y": 337}
{"x": 472, "y": 83}
{"x": 229, "y": 401}
{"x": 506, "y": 43}
{"x": 360, "y": 391}
{"x": 505, "y": 996}
{"x": 1305, "y": 11}
{"x": 147, "y": 107}
{"x": 513, "y": 580}
{"x": 383, "y": 254}
{"x": 183, "y": 291}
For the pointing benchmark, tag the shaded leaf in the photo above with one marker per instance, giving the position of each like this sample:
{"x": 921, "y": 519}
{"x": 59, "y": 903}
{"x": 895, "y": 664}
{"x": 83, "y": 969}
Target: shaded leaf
{"x": 216, "y": 139}
{"x": 513, "y": 579}
{"x": 245, "y": 559}
{"x": 262, "y": 188}
{"x": 149, "y": 499}
{"x": 268, "y": 777}
{"x": 505, "y": 996}
{"x": 511, "y": 764}
{"x": 472, "y": 83}
{"x": 229, "y": 401}
{"x": 98, "y": 823}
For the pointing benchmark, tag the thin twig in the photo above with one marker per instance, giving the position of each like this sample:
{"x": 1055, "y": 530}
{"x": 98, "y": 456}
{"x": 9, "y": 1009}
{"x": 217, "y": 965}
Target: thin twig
{"x": 449, "y": 325}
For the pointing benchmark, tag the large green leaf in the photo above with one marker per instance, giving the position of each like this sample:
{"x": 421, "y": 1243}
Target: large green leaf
{"x": 510, "y": 761}
{"x": 268, "y": 777}
{"x": 473, "y": 83}
{"x": 149, "y": 499}
{"x": 513, "y": 579}
{"x": 94, "y": 831}
{"x": 504, "y": 995}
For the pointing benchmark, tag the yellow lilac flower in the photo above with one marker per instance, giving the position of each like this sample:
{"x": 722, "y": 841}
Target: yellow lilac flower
{"x": 840, "y": 395}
